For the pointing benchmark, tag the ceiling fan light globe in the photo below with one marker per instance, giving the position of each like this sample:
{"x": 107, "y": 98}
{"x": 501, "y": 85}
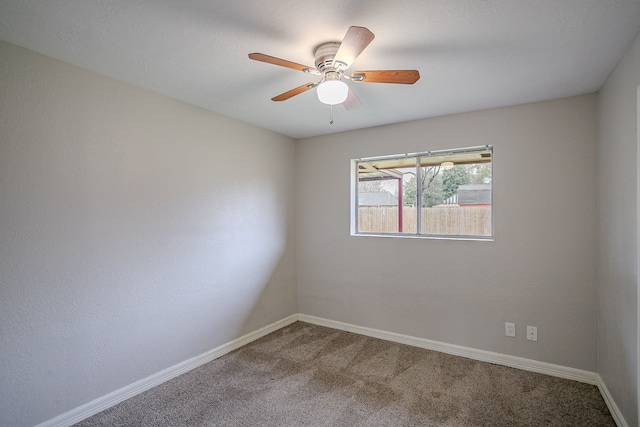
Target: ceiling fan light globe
{"x": 332, "y": 92}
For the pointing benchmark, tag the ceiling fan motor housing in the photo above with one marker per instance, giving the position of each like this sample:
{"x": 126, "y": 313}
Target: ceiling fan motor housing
{"x": 324, "y": 56}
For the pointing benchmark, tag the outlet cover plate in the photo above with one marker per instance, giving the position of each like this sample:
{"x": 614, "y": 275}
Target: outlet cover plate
{"x": 510, "y": 329}
{"x": 532, "y": 333}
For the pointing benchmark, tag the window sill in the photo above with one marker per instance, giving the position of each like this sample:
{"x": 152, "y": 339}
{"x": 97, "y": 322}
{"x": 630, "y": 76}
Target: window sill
{"x": 428, "y": 237}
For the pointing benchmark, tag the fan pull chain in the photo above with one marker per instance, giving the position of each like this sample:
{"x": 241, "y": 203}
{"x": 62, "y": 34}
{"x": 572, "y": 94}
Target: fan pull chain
{"x": 330, "y": 114}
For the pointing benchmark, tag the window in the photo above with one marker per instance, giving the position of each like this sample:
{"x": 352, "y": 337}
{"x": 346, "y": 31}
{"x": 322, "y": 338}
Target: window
{"x": 445, "y": 193}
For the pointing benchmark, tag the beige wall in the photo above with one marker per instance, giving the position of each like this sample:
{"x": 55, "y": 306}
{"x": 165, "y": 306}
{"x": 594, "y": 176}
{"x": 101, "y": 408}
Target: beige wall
{"x": 618, "y": 233}
{"x": 539, "y": 271}
{"x": 136, "y": 232}
{"x": 132, "y": 238}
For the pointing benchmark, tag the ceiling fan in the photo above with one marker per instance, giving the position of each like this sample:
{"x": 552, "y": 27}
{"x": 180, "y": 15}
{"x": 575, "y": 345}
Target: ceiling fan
{"x": 331, "y": 62}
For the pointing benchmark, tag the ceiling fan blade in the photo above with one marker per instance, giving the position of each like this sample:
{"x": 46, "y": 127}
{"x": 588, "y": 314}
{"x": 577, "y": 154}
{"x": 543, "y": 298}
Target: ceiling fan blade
{"x": 281, "y": 62}
{"x": 352, "y": 102}
{"x": 354, "y": 42}
{"x": 406, "y": 77}
{"x": 293, "y": 92}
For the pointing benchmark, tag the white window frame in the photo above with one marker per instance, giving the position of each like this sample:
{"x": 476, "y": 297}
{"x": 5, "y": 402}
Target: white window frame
{"x": 433, "y": 153}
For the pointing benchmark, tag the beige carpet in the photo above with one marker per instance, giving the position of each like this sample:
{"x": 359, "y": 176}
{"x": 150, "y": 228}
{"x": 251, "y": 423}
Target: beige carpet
{"x": 306, "y": 375}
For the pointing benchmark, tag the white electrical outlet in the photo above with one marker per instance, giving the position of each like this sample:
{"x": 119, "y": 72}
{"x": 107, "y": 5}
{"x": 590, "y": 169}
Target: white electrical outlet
{"x": 532, "y": 333}
{"x": 510, "y": 329}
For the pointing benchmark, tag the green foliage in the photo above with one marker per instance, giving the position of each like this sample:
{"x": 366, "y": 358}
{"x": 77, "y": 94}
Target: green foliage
{"x": 432, "y": 190}
{"x": 431, "y": 181}
{"x": 409, "y": 192}
{"x": 480, "y": 173}
{"x": 452, "y": 179}
{"x": 439, "y": 184}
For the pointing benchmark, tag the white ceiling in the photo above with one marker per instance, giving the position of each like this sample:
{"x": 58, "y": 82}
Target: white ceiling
{"x": 471, "y": 54}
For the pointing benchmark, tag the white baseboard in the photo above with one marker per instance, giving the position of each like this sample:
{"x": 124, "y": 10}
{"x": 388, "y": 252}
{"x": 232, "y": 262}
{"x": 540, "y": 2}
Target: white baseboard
{"x": 481, "y": 355}
{"x": 611, "y": 404}
{"x": 470, "y": 353}
{"x": 85, "y": 411}
{"x": 100, "y": 404}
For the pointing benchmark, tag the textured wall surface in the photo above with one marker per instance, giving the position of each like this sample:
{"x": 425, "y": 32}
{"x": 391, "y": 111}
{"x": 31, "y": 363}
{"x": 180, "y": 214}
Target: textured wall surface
{"x": 539, "y": 271}
{"x": 618, "y": 233}
{"x": 135, "y": 233}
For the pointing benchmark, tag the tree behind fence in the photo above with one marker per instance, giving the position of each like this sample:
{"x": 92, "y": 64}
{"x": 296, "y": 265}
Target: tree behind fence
{"x": 451, "y": 221}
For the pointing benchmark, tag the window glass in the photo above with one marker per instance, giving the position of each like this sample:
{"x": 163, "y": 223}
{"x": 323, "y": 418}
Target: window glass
{"x": 446, "y": 193}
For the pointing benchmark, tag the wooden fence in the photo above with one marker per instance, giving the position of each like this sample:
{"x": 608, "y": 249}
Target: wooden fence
{"x": 451, "y": 221}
